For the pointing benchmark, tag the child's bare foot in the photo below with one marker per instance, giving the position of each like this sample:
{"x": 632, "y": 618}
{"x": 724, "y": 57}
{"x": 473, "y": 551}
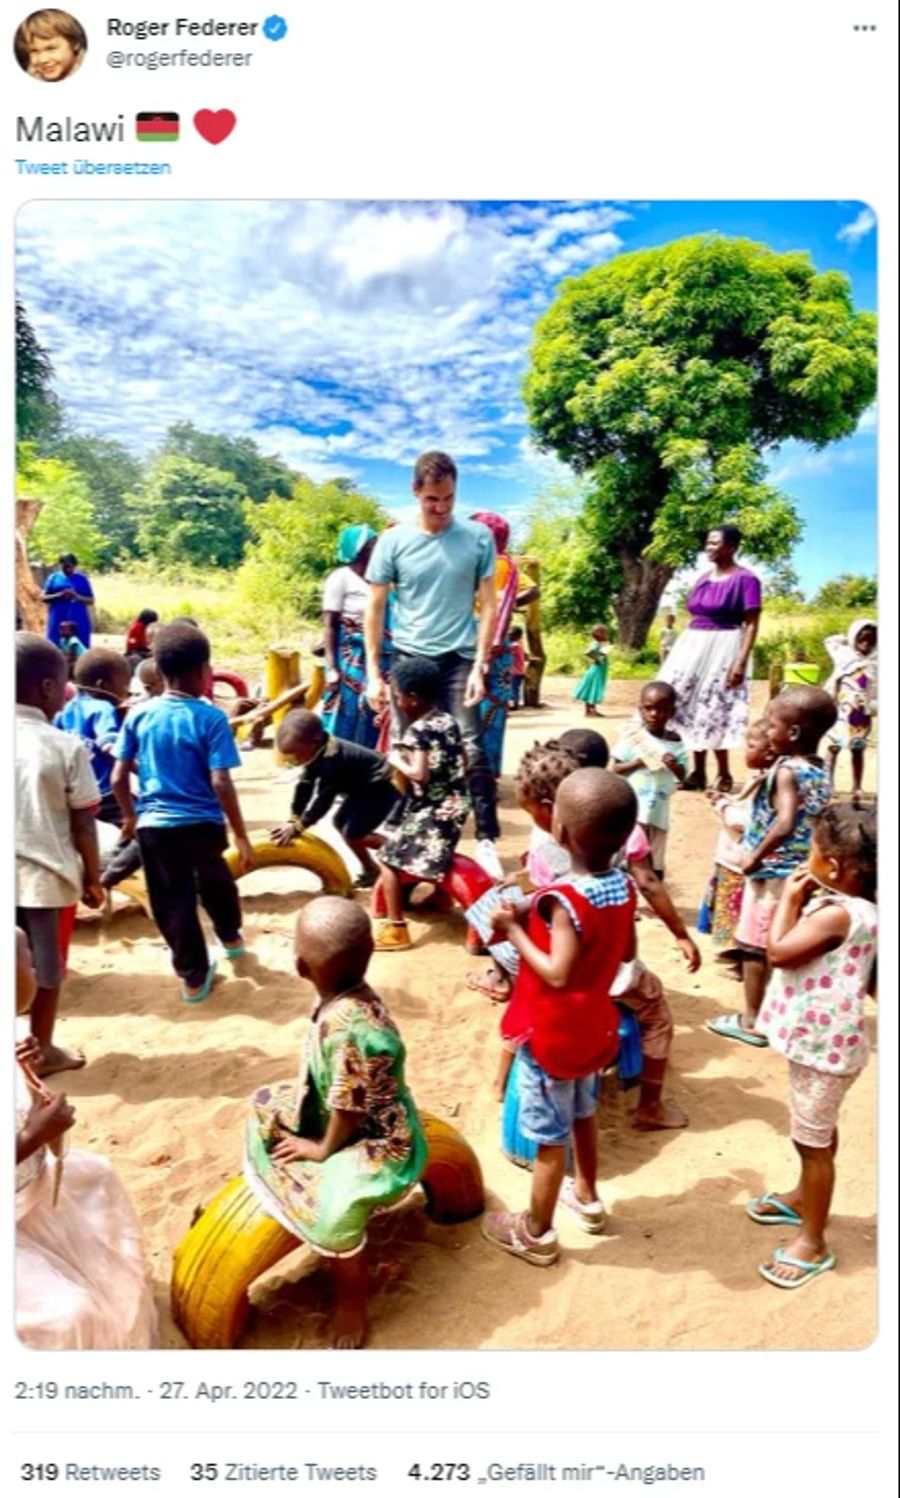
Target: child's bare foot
{"x": 661, "y": 1115}
{"x": 56, "y": 1059}
{"x": 350, "y": 1325}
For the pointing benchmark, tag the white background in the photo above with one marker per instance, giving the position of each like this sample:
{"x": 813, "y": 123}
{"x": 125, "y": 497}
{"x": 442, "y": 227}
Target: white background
{"x": 777, "y": 98}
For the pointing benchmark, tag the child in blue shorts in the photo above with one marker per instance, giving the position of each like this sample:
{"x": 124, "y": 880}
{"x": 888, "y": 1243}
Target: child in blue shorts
{"x": 183, "y": 750}
{"x": 571, "y": 940}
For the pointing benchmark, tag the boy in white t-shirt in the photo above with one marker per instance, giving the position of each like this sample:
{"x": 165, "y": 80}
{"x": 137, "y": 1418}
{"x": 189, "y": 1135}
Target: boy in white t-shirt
{"x": 57, "y": 857}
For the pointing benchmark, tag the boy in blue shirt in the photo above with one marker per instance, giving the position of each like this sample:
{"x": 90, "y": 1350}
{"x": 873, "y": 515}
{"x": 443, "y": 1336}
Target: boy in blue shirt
{"x": 183, "y": 749}
{"x": 96, "y": 714}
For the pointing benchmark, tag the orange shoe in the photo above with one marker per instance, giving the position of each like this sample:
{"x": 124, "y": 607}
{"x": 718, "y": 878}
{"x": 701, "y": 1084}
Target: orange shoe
{"x": 392, "y": 936}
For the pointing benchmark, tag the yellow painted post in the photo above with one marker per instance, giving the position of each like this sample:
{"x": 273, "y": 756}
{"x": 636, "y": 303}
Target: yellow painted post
{"x": 316, "y": 684}
{"x": 536, "y": 656}
{"x": 282, "y": 671}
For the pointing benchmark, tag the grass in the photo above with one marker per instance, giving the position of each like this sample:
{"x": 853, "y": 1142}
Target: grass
{"x": 241, "y": 634}
{"x": 781, "y": 635}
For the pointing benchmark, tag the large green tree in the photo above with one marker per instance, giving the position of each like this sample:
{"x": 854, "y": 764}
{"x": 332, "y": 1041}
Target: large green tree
{"x": 38, "y": 412}
{"x": 189, "y": 513}
{"x": 293, "y": 544}
{"x": 258, "y": 475}
{"x": 665, "y": 378}
{"x": 111, "y": 473}
{"x": 66, "y": 521}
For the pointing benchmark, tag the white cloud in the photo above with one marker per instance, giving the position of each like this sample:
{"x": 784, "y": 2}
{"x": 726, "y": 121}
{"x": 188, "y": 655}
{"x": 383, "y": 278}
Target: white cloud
{"x": 868, "y": 422}
{"x": 863, "y": 224}
{"x": 332, "y": 332}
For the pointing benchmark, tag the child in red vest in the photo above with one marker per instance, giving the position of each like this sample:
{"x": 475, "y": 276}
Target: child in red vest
{"x": 572, "y": 939}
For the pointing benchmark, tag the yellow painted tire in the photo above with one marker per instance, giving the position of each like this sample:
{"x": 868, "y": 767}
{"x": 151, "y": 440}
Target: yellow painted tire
{"x": 306, "y": 852}
{"x": 230, "y": 1244}
{"x": 234, "y": 1241}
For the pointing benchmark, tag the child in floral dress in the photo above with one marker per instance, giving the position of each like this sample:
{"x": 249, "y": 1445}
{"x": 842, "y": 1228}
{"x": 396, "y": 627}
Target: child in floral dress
{"x": 324, "y": 1154}
{"x": 425, "y": 830}
{"x": 822, "y": 951}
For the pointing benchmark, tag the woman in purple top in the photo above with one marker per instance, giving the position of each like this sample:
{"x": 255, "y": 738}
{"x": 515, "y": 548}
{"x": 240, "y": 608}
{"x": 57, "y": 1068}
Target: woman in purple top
{"x": 709, "y": 663}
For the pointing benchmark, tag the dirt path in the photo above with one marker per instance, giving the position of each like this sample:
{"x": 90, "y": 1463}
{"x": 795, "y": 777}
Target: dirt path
{"x": 164, "y": 1095}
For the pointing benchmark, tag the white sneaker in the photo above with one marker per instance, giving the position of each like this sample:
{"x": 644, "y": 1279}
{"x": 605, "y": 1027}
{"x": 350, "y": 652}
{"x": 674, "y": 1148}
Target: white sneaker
{"x": 486, "y": 854}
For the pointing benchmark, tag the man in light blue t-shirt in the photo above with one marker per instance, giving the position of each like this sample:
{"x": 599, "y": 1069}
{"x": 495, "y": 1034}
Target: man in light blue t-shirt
{"x": 437, "y": 569}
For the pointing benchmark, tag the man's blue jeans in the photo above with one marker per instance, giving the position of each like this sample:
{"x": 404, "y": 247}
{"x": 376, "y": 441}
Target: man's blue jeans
{"x": 455, "y": 671}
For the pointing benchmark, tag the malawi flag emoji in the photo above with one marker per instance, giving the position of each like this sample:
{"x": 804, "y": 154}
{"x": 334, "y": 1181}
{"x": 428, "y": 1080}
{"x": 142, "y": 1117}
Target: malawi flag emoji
{"x": 157, "y": 128}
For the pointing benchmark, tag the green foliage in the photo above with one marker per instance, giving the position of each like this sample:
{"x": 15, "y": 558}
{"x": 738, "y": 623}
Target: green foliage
{"x": 111, "y": 473}
{"x": 189, "y": 513}
{"x": 38, "y": 413}
{"x": 801, "y": 631}
{"x": 293, "y": 546}
{"x": 66, "y": 521}
{"x": 577, "y": 579}
{"x": 848, "y": 591}
{"x": 664, "y": 376}
{"x": 256, "y": 475}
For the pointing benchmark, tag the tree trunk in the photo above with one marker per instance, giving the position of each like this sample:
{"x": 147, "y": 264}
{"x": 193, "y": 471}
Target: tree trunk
{"x": 29, "y": 605}
{"x": 643, "y": 585}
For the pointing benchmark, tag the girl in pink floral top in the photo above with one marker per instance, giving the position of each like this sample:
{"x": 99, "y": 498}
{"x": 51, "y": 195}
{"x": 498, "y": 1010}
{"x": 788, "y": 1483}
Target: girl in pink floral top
{"x": 822, "y": 950}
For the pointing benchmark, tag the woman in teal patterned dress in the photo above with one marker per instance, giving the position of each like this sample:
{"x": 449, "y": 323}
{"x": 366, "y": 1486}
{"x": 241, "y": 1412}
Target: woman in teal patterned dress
{"x": 324, "y": 1154}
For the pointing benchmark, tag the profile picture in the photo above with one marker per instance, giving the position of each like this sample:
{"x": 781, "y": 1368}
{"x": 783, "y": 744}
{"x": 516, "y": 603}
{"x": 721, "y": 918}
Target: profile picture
{"x": 50, "y": 45}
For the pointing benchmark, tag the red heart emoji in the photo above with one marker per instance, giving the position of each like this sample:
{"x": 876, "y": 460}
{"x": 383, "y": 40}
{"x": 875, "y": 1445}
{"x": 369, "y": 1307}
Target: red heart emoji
{"x": 215, "y": 125}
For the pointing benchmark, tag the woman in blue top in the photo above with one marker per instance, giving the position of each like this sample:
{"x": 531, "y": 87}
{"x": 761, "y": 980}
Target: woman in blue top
{"x": 70, "y": 598}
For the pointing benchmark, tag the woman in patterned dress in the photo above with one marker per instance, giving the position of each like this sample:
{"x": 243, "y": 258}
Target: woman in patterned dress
{"x": 709, "y": 665}
{"x": 345, "y": 711}
{"x": 323, "y": 1154}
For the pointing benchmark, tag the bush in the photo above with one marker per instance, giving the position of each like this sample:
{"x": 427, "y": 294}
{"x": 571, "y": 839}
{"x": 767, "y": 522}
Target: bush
{"x": 805, "y": 631}
{"x": 565, "y": 656}
{"x": 293, "y": 547}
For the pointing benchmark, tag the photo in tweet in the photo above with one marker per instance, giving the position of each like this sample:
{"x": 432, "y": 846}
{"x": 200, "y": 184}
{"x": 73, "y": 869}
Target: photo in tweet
{"x": 446, "y": 731}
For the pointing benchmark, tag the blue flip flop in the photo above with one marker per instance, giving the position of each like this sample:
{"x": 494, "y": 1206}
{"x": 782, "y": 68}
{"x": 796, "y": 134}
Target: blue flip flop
{"x": 729, "y": 1026}
{"x": 784, "y": 1213}
{"x": 238, "y": 950}
{"x": 810, "y": 1271}
{"x": 202, "y": 993}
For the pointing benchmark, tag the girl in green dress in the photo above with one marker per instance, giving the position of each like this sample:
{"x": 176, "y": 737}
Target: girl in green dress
{"x": 591, "y": 689}
{"x": 324, "y": 1154}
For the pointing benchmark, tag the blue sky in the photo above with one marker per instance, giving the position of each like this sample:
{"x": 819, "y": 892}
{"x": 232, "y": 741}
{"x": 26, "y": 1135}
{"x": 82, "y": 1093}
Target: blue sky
{"x": 349, "y": 336}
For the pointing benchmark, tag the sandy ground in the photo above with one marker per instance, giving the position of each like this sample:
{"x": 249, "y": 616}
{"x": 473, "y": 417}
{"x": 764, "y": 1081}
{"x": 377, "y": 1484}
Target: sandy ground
{"x": 164, "y": 1095}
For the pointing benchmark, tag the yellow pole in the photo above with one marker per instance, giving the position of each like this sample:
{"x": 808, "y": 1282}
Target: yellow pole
{"x": 282, "y": 671}
{"x": 316, "y": 689}
{"x": 537, "y": 658}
